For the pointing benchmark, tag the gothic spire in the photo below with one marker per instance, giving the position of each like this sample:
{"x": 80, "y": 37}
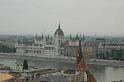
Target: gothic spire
{"x": 42, "y": 36}
{"x": 83, "y": 37}
{"x": 36, "y": 36}
{"x": 59, "y": 25}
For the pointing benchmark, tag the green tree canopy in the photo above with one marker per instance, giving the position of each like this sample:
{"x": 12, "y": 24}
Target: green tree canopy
{"x": 25, "y": 65}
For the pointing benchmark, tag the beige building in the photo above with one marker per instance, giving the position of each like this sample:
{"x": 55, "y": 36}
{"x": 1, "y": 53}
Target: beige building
{"x": 44, "y": 46}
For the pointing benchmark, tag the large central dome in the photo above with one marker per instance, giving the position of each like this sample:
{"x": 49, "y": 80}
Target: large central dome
{"x": 59, "y": 31}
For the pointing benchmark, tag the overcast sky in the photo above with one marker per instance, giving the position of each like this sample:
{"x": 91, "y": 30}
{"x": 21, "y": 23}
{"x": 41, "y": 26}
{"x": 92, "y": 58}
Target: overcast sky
{"x": 101, "y": 17}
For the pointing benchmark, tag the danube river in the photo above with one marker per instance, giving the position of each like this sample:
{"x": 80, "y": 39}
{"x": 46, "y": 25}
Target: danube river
{"x": 102, "y": 73}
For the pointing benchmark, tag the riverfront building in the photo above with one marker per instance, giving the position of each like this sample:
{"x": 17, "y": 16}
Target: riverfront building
{"x": 53, "y": 46}
{"x": 44, "y": 45}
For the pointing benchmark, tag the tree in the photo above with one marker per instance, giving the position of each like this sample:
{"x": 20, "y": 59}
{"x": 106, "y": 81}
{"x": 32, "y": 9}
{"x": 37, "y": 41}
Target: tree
{"x": 25, "y": 65}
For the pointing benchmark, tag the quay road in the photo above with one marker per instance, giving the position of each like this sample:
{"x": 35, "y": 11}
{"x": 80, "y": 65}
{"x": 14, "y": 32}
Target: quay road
{"x": 60, "y": 59}
{"x": 38, "y": 57}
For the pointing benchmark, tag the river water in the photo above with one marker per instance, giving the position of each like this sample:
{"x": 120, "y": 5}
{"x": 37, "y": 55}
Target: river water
{"x": 102, "y": 73}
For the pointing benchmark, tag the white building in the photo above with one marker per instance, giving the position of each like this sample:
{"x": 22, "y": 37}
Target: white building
{"x": 44, "y": 45}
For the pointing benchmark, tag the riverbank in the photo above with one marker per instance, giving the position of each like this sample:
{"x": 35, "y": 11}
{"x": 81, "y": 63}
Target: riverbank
{"x": 62, "y": 59}
{"x": 43, "y": 58}
{"x": 106, "y": 62}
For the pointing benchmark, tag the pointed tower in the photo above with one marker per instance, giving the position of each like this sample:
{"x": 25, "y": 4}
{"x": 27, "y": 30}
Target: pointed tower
{"x": 44, "y": 40}
{"x": 70, "y": 37}
{"x": 77, "y": 37}
{"x": 59, "y": 32}
{"x": 83, "y": 37}
{"x": 42, "y": 36}
{"x": 35, "y": 39}
{"x": 59, "y": 36}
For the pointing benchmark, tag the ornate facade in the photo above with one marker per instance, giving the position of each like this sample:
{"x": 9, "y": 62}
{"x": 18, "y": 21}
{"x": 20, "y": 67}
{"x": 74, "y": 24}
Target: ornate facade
{"x": 44, "y": 45}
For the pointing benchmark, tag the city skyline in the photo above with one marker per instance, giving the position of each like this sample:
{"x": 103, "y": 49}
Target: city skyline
{"x": 101, "y": 17}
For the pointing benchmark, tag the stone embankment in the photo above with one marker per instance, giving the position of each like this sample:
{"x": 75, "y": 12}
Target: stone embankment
{"x": 60, "y": 59}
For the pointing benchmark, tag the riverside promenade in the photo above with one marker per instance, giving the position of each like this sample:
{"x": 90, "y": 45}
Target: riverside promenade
{"x": 60, "y": 59}
{"x": 38, "y": 57}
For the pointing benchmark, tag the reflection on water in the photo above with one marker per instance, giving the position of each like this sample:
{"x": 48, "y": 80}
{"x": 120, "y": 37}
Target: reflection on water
{"x": 98, "y": 71}
{"x": 114, "y": 73}
{"x": 102, "y": 73}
